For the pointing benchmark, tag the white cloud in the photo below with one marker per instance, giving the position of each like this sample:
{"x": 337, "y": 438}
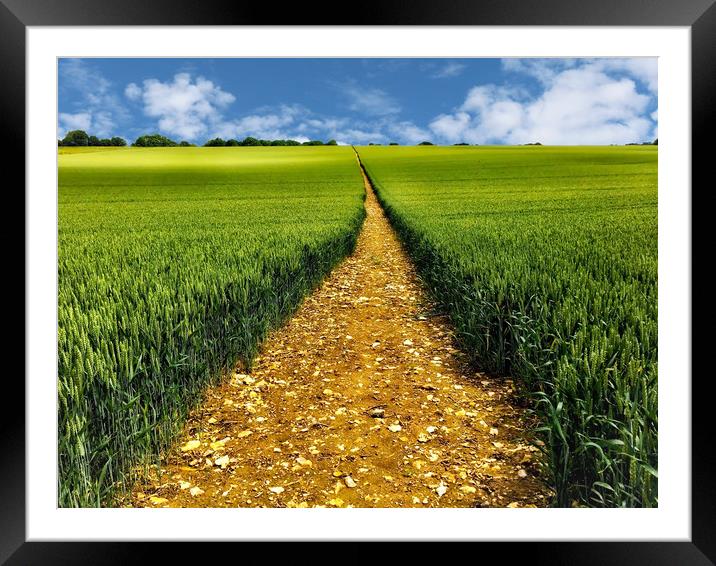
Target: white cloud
{"x": 407, "y": 132}
{"x": 317, "y": 124}
{"x": 99, "y": 108}
{"x": 133, "y": 92}
{"x": 184, "y": 107}
{"x": 580, "y": 104}
{"x": 102, "y": 123}
{"x": 194, "y": 110}
{"x": 643, "y": 68}
{"x": 358, "y": 136}
{"x": 544, "y": 70}
{"x": 451, "y": 127}
{"x": 78, "y": 75}
{"x": 450, "y": 69}
{"x": 79, "y": 121}
{"x": 95, "y": 123}
{"x": 370, "y": 101}
{"x": 280, "y": 122}
{"x": 301, "y": 124}
{"x": 380, "y": 130}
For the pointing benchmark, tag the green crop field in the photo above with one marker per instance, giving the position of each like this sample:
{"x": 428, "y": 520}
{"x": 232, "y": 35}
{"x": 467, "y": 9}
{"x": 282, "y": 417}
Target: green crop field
{"x": 173, "y": 264}
{"x": 546, "y": 260}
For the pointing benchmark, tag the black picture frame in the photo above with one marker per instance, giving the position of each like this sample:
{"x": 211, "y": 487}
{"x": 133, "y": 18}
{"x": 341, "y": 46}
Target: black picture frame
{"x": 699, "y": 15}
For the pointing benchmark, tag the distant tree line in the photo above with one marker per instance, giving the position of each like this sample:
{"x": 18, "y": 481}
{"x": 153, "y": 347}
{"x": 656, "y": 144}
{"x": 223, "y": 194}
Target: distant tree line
{"x": 157, "y": 140}
{"x": 80, "y": 138}
{"x": 655, "y": 142}
{"x": 253, "y": 142}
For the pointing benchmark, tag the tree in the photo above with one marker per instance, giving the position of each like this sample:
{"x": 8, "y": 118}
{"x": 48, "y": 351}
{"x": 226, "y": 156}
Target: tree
{"x": 250, "y": 141}
{"x": 656, "y": 141}
{"x": 154, "y": 140}
{"x": 426, "y": 143}
{"x": 76, "y": 138}
{"x": 393, "y": 143}
{"x": 185, "y": 143}
{"x": 81, "y": 138}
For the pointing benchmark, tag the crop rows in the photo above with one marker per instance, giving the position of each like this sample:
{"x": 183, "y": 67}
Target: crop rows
{"x": 173, "y": 265}
{"x": 546, "y": 261}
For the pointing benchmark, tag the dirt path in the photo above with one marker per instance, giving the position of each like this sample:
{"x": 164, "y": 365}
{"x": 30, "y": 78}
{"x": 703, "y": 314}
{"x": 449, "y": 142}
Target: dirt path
{"x": 359, "y": 400}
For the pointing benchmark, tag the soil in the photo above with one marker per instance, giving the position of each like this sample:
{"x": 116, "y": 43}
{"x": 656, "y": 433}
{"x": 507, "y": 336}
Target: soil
{"x": 360, "y": 400}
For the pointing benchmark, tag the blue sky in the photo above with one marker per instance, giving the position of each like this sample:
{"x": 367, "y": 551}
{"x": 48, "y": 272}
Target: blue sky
{"x": 485, "y": 101}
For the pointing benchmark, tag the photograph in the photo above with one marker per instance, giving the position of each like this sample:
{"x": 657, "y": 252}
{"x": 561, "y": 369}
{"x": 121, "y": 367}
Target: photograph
{"x": 357, "y": 282}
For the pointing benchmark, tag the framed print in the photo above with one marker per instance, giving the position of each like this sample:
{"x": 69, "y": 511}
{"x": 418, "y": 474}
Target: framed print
{"x": 409, "y": 276}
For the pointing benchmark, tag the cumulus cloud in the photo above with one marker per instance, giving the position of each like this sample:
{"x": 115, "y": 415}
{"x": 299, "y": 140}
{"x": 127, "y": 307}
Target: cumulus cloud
{"x": 133, "y": 92}
{"x": 98, "y": 107}
{"x": 370, "y": 101}
{"x": 408, "y": 132}
{"x": 450, "y": 69}
{"x": 195, "y": 110}
{"x": 644, "y": 69}
{"x": 183, "y": 107}
{"x": 452, "y": 127}
{"x": 544, "y": 70}
{"x": 655, "y": 117}
{"x": 359, "y": 136}
{"x": 593, "y": 102}
{"x": 266, "y": 126}
{"x": 77, "y": 74}
{"x": 267, "y": 123}
{"x": 78, "y": 121}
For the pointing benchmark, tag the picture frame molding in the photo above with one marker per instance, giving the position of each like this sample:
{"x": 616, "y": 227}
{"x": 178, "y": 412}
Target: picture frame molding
{"x": 699, "y": 15}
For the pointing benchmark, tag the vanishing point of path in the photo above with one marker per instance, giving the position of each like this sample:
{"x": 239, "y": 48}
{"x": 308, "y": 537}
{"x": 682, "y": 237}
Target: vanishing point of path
{"x": 358, "y": 400}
